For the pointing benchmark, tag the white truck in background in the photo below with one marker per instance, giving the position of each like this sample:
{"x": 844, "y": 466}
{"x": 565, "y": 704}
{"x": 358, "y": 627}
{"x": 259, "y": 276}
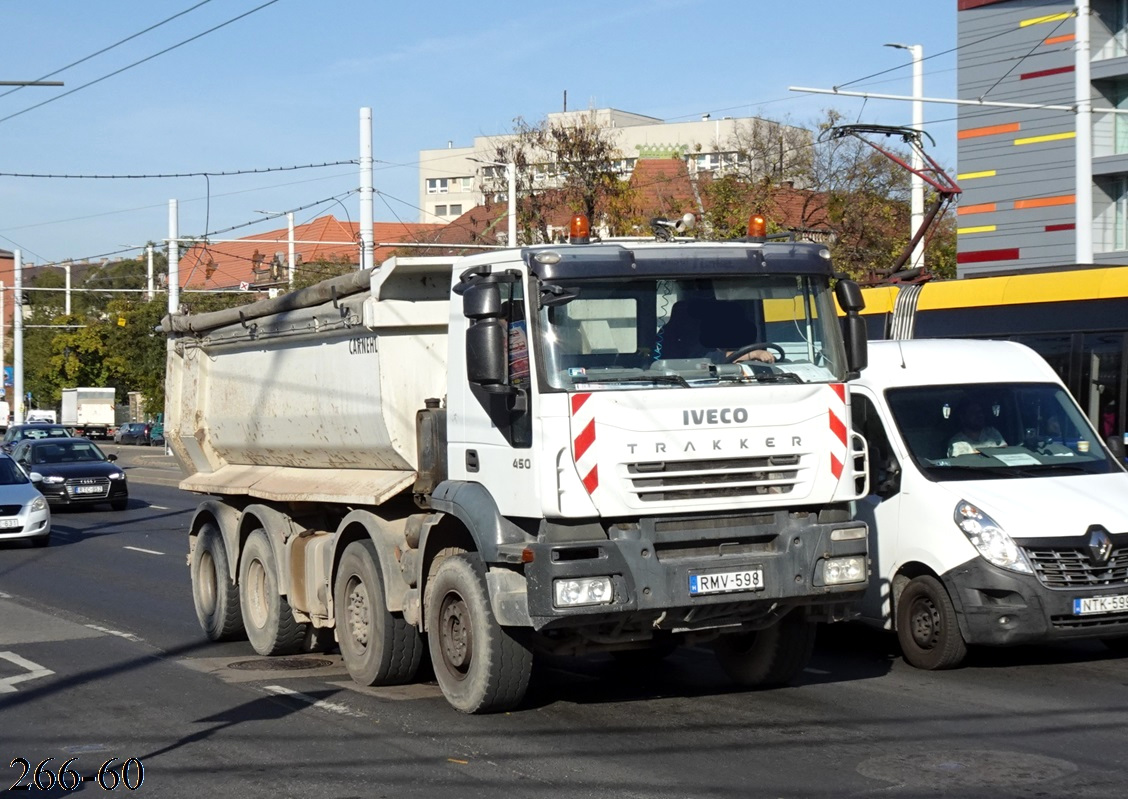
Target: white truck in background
{"x": 5, "y": 414}
{"x": 89, "y": 411}
{"x": 516, "y": 452}
{"x": 997, "y": 516}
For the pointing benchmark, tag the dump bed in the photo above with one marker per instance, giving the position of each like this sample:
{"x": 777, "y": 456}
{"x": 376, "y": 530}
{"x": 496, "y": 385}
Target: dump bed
{"x": 310, "y": 396}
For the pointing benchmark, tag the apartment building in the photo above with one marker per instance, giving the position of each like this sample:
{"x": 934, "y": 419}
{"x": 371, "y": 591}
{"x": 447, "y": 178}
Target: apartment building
{"x": 1045, "y": 178}
{"x": 451, "y": 179}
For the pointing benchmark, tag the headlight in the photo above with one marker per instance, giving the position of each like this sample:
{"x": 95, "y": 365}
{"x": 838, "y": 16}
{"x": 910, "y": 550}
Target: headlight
{"x": 990, "y": 539}
{"x": 583, "y": 591}
{"x": 54, "y": 478}
{"x": 117, "y": 476}
{"x": 837, "y": 571}
{"x": 37, "y": 504}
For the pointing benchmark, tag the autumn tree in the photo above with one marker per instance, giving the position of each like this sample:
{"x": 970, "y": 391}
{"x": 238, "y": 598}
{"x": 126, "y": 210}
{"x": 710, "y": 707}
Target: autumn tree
{"x": 570, "y": 161}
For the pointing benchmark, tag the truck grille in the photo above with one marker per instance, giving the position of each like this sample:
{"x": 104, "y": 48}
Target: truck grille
{"x": 1071, "y": 568}
{"x": 666, "y": 481}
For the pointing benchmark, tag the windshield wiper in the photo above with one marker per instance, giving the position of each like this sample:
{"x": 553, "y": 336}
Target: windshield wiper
{"x": 676, "y": 380}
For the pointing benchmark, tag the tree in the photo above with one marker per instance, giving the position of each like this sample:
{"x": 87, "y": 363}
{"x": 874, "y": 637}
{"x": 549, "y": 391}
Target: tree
{"x": 570, "y": 161}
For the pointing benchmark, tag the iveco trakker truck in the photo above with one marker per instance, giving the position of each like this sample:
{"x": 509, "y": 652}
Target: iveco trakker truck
{"x": 569, "y": 448}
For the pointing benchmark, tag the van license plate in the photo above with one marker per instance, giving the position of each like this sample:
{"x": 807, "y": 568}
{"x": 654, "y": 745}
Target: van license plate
{"x": 726, "y": 582}
{"x": 1100, "y": 604}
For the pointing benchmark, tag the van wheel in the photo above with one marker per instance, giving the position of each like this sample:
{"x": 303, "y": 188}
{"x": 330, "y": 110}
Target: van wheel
{"x": 480, "y": 666}
{"x": 379, "y": 647}
{"x": 773, "y": 656}
{"x": 927, "y": 628}
{"x": 213, "y": 591}
{"x": 267, "y": 616}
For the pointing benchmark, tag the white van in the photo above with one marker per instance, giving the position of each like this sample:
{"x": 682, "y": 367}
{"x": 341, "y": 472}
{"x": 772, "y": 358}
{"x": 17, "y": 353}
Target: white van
{"x": 996, "y": 514}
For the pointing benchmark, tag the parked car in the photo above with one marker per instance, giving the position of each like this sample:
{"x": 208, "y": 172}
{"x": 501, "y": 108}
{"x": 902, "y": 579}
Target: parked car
{"x": 24, "y": 513}
{"x": 156, "y": 434}
{"x": 18, "y": 432}
{"x": 132, "y": 433}
{"x": 74, "y": 471}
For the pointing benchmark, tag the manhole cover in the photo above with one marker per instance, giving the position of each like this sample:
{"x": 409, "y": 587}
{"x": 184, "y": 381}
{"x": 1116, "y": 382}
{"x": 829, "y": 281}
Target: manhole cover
{"x": 279, "y": 664}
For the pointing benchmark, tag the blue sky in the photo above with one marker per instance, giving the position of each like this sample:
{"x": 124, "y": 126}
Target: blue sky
{"x": 283, "y": 86}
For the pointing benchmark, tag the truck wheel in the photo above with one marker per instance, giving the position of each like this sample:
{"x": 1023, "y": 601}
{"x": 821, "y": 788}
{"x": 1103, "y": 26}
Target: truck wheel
{"x": 379, "y": 647}
{"x": 213, "y": 592}
{"x": 773, "y": 656}
{"x": 267, "y": 616}
{"x": 927, "y": 627}
{"x": 479, "y": 665}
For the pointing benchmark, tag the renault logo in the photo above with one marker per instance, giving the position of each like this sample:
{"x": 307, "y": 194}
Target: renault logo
{"x": 1100, "y": 546}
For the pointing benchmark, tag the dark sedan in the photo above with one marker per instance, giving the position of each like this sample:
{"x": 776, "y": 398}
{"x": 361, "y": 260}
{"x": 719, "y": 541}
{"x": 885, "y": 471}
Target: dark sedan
{"x": 132, "y": 433}
{"x": 74, "y": 471}
{"x": 18, "y": 432}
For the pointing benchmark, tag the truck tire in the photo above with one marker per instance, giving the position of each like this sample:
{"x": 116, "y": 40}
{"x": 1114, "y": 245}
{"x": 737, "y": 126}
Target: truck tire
{"x": 927, "y": 628}
{"x": 267, "y": 617}
{"x": 213, "y": 592}
{"x": 379, "y": 647}
{"x": 770, "y": 657}
{"x": 480, "y": 666}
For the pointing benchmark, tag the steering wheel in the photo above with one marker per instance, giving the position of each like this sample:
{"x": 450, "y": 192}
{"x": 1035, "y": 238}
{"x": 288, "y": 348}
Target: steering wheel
{"x": 760, "y": 345}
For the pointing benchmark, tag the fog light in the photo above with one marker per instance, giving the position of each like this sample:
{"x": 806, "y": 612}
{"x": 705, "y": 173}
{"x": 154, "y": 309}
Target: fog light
{"x": 837, "y": 571}
{"x": 583, "y": 591}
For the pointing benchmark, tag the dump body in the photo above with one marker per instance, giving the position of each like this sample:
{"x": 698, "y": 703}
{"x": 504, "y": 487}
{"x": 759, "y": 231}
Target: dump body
{"x": 521, "y": 419}
{"x": 89, "y": 410}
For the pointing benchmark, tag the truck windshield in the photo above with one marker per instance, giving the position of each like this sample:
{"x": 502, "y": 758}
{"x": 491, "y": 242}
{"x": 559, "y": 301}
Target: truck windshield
{"x": 673, "y": 333}
{"x": 996, "y": 430}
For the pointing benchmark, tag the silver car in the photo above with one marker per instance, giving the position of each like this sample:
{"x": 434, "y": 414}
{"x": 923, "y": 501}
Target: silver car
{"x": 24, "y": 513}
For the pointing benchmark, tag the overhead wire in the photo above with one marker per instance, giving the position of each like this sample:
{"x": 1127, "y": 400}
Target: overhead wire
{"x": 138, "y": 63}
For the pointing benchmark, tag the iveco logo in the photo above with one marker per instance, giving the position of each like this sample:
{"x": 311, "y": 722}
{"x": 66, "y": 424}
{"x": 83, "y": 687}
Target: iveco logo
{"x": 715, "y": 416}
{"x": 1100, "y": 546}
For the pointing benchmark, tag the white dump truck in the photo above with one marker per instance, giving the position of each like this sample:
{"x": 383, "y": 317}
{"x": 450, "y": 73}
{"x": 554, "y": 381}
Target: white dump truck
{"x": 571, "y": 448}
{"x": 89, "y": 411}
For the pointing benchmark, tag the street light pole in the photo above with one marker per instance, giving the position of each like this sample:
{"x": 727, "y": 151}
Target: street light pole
{"x": 917, "y": 185}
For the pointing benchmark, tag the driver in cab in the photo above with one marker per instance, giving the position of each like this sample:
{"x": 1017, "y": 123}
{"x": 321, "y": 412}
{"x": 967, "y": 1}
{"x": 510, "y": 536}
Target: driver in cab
{"x": 974, "y": 434}
{"x": 682, "y": 335}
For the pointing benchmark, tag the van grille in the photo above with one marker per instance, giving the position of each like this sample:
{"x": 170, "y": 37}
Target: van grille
{"x": 667, "y": 481}
{"x": 1071, "y": 568}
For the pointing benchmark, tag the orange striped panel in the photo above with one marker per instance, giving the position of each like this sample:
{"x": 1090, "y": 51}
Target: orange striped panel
{"x": 1045, "y": 202}
{"x": 990, "y": 130}
{"x": 983, "y": 208}
{"x": 1069, "y": 37}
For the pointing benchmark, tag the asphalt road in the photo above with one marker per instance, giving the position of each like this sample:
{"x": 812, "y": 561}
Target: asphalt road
{"x": 101, "y": 657}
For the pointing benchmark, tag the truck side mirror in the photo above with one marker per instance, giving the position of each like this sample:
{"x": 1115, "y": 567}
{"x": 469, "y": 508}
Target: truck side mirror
{"x": 481, "y": 300}
{"x": 850, "y": 299}
{"x": 487, "y": 361}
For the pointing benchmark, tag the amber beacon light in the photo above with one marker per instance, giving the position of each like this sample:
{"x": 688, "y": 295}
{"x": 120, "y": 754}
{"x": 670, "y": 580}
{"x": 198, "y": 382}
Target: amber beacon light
{"x": 579, "y": 229}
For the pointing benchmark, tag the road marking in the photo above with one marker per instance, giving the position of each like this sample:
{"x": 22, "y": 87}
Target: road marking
{"x": 34, "y": 672}
{"x": 332, "y": 707}
{"x": 5, "y": 596}
{"x": 118, "y": 633}
{"x": 146, "y": 551}
{"x": 159, "y": 507}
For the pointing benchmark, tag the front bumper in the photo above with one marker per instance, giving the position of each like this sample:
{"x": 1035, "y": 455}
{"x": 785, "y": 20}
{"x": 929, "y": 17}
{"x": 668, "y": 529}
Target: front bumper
{"x": 650, "y": 563}
{"x": 60, "y": 494}
{"x": 25, "y": 525}
{"x": 1000, "y": 608}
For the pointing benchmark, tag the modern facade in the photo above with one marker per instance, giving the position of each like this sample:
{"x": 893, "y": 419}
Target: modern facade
{"x": 451, "y": 179}
{"x": 1045, "y": 178}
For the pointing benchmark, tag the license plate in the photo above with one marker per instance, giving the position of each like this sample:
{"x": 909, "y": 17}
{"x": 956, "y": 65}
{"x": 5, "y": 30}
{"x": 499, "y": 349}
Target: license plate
{"x": 88, "y": 489}
{"x": 1100, "y": 604}
{"x": 726, "y": 582}
{"x": 7, "y": 524}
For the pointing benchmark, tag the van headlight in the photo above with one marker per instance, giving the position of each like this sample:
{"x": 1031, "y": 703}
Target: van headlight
{"x": 990, "y": 539}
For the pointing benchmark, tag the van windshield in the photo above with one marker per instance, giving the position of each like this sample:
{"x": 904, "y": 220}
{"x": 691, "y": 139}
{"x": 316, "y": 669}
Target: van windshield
{"x": 996, "y": 430}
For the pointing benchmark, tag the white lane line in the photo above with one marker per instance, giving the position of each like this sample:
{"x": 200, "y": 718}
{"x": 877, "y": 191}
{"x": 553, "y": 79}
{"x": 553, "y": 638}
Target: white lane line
{"x": 118, "y": 633}
{"x": 34, "y": 672}
{"x": 332, "y": 707}
{"x": 146, "y": 551}
{"x": 159, "y": 507}
{"x": 5, "y": 596}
